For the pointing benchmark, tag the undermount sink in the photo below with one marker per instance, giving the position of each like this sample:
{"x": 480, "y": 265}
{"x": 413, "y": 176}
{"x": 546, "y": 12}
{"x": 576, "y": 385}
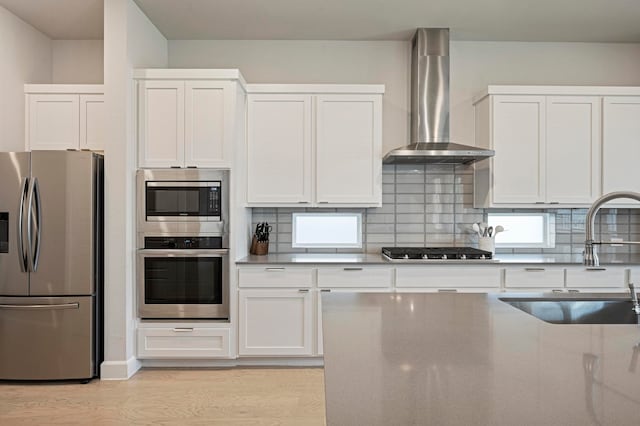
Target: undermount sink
{"x": 556, "y": 310}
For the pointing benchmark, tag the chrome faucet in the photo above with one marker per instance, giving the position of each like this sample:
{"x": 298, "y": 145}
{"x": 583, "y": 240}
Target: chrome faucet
{"x": 634, "y": 299}
{"x": 590, "y": 254}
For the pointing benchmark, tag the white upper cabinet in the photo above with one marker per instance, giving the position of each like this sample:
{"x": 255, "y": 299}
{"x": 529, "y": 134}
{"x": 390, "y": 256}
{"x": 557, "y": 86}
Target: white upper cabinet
{"x": 65, "y": 116}
{"x": 621, "y": 145}
{"x": 161, "y": 123}
{"x": 279, "y": 154}
{"x": 315, "y": 145}
{"x": 556, "y": 146}
{"x": 519, "y": 142}
{"x": 573, "y": 149}
{"x": 348, "y": 149}
{"x": 186, "y": 118}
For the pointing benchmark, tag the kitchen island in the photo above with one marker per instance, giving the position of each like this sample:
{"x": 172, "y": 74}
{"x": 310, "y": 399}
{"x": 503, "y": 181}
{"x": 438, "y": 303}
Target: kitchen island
{"x": 471, "y": 359}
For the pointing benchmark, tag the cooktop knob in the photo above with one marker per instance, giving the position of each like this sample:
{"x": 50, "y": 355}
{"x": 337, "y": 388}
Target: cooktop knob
{"x": 444, "y": 257}
{"x": 406, "y": 256}
{"x": 424, "y": 256}
{"x": 483, "y": 257}
{"x": 463, "y": 257}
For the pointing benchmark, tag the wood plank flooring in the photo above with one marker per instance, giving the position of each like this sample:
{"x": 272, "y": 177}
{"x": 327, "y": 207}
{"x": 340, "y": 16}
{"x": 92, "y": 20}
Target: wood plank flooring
{"x": 239, "y": 396}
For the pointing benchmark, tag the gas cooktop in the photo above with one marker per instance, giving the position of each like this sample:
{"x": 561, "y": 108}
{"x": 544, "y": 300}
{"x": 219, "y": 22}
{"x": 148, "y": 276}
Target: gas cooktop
{"x": 435, "y": 253}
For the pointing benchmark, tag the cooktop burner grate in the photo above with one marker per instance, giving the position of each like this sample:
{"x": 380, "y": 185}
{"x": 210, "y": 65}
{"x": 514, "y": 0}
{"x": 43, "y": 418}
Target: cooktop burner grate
{"x": 439, "y": 253}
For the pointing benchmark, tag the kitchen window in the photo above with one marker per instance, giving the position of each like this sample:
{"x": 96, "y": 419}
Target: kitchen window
{"x": 327, "y": 230}
{"x": 524, "y": 230}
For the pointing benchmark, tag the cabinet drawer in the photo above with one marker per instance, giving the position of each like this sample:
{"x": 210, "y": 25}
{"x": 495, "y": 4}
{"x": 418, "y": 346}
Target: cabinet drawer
{"x": 275, "y": 276}
{"x": 354, "y": 276}
{"x": 460, "y": 276}
{"x": 595, "y": 277}
{"x": 187, "y": 342}
{"x": 534, "y": 276}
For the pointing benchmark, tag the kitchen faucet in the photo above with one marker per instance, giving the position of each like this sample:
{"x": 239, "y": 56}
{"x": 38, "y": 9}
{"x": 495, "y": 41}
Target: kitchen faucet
{"x": 590, "y": 254}
{"x": 634, "y": 299}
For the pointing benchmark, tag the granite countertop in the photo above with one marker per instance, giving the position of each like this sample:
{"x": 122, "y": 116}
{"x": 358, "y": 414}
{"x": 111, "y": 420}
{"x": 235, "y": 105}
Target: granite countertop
{"x": 377, "y": 259}
{"x": 463, "y": 359}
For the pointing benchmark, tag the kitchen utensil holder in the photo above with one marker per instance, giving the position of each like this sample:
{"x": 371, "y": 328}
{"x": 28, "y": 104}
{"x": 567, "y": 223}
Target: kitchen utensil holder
{"x": 259, "y": 248}
{"x": 487, "y": 244}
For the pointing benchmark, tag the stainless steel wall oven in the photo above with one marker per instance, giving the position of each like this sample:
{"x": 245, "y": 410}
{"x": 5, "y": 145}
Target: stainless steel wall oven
{"x": 183, "y": 277}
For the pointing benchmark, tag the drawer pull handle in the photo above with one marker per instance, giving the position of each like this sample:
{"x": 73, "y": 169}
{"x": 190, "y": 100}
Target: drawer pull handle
{"x": 447, "y": 290}
{"x": 303, "y": 290}
{"x": 596, "y": 269}
{"x": 274, "y": 269}
{"x": 352, "y": 269}
{"x": 325, "y": 290}
{"x": 534, "y": 269}
{"x": 554, "y": 202}
{"x": 574, "y": 291}
{"x": 183, "y": 329}
{"x": 555, "y": 290}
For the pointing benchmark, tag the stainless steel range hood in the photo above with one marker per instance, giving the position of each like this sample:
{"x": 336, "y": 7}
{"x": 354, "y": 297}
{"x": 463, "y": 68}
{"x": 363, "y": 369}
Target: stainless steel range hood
{"x": 430, "y": 107}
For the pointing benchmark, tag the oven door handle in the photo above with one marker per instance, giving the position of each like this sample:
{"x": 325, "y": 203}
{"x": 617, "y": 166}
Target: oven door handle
{"x": 184, "y": 253}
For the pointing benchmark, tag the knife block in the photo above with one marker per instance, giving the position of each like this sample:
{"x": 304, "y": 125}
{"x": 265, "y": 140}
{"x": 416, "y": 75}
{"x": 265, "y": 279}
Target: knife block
{"x": 259, "y": 248}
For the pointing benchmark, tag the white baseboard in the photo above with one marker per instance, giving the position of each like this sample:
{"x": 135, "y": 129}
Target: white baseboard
{"x": 119, "y": 370}
{"x": 240, "y": 362}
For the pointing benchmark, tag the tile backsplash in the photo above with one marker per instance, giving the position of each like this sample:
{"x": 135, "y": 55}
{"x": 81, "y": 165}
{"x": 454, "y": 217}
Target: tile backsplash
{"x": 432, "y": 205}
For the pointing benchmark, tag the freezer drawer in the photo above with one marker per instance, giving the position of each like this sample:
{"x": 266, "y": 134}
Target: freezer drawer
{"x": 46, "y": 338}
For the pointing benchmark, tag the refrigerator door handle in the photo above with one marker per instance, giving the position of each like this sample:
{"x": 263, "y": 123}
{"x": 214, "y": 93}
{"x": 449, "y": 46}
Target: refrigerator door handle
{"x": 24, "y": 265}
{"x": 42, "y": 307}
{"x": 34, "y": 220}
{"x": 38, "y": 205}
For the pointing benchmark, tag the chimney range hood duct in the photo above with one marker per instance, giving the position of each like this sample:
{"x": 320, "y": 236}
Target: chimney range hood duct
{"x": 430, "y": 107}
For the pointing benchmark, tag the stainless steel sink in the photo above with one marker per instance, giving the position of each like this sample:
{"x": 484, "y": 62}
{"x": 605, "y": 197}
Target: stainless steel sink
{"x": 576, "y": 310}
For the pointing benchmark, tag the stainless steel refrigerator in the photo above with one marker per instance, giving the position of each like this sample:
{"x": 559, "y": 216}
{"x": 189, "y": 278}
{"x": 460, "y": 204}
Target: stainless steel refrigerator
{"x": 51, "y": 265}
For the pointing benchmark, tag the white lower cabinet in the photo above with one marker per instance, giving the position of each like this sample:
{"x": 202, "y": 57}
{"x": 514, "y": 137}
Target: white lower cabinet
{"x": 449, "y": 278}
{"x": 183, "y": 342}
{"x": 275, "y": 322}
{"x": 596, "y": 278}
{"x": 534, "y": 278}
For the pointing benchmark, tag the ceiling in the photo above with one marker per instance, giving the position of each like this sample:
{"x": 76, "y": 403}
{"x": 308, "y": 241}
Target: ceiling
{"x": 499, "y": 20}
{"x": 61, "y": 19}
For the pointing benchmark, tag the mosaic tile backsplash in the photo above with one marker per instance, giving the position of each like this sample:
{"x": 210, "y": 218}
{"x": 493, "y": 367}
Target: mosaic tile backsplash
{"x": 432, "y": 205}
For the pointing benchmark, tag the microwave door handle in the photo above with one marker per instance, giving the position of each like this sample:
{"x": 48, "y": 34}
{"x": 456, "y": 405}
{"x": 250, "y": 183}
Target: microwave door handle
{"x": 24, "y": 264}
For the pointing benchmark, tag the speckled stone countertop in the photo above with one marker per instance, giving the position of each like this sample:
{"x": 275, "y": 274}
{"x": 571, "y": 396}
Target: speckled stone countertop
{"x": 376, "y": 259}
{"x": 470, "y": 359}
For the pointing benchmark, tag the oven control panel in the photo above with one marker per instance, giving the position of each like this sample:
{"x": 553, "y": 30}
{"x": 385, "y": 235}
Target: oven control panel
{"x": 182, "y": 243}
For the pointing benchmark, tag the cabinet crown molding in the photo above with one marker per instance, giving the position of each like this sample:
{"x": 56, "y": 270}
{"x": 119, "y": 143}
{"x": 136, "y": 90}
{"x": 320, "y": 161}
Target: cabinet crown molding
{"x": 189, "y": 74}
{"x": 76, "y": 89}
{"x": 317, "y": 88}
{"x": 557, "y": 90}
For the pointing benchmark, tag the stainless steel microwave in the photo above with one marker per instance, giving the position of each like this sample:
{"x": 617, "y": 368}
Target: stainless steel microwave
{"x": 183, "y": 200}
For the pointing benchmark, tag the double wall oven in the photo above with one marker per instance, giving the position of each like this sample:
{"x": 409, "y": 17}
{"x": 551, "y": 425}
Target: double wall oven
{"x": 183, "y": 251}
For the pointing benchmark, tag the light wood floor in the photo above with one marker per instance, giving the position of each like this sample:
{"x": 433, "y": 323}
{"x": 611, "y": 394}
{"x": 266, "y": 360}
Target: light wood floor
{"x": 251, "y": 396}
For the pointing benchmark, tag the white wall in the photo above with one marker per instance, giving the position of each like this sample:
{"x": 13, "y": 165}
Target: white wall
{"x": 131, "y": 41}
{"x": 25, "y": 57}
{"x": 474, "y": 65}
{"x": 313, "y": 62}
{"x": 78, "y": 61}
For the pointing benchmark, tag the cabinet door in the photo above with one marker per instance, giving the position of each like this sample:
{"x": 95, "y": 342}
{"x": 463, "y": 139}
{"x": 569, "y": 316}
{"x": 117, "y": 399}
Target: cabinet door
{"x": 573, "y": 149}
{"x": 348, "y": 149}
{"x": 621, "y": 145}
{"x": 519, "y": 142}
{"x": 275, "y": 322}
{"x": 207, "y": 110}
{"x": 279, "y": 149}
{"x": 92, "y": 122}
{"x": 161, "y": 123}
{"x": 54, "y": 122}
